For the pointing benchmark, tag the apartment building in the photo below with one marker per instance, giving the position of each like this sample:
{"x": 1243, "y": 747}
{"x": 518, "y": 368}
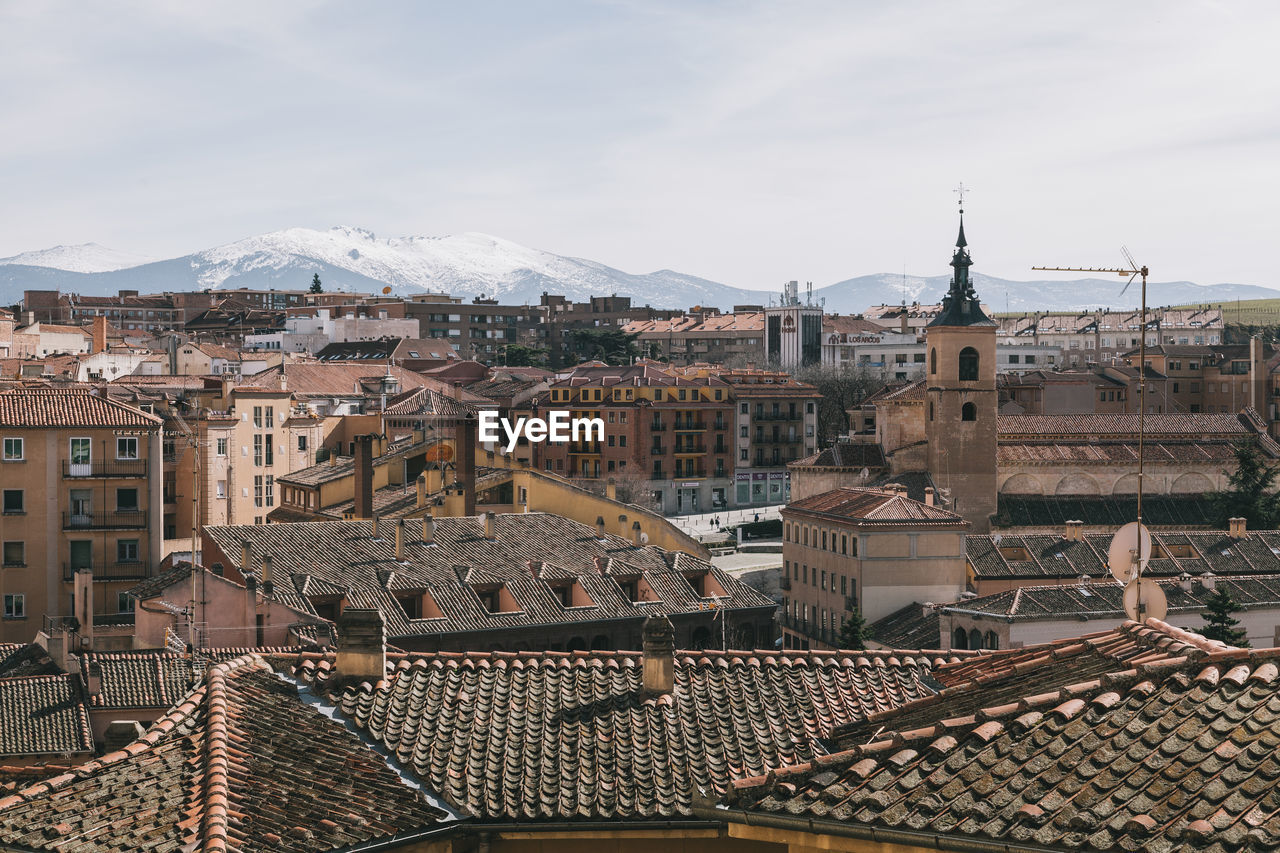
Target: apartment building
{"x": 874, "y": 551}
{"x": 1105, "y": 335}
{"x": 703, "y": 336}
{"x": 775, "y": 422}
{"x": 675, "y": 430}
{"x": 81, "y": 492}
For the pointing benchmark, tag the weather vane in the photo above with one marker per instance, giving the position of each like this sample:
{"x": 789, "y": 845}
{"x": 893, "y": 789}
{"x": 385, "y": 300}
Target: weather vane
{"x": 960, "y": 191}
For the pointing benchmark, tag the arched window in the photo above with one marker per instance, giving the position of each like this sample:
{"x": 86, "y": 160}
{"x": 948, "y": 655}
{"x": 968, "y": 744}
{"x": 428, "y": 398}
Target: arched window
{"x": 968, "y": 412}
{"x": 933, "y": 360}
{"x": 930, "y": 410}
{"x": 975, "y": 639}
{"x": 991, "y": 641}
{"x": 960, "y": 640}
{"x": 968, "y": 364}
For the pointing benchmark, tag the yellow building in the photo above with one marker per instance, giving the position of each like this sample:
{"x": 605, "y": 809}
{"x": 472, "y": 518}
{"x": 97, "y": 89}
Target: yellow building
{"x": 81, "y": 481}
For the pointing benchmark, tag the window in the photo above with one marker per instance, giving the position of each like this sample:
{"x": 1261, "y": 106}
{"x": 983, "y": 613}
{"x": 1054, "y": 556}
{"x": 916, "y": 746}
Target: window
{"x": 126, "y": 500}
{"x": 127, "y": 551}
{"x": 302, "y": 443}
{"x": 15, "y": 606}
{"x": 257, "y": 490}
{"x": 933, "y": 360}
{"x": 80, "y": 451}
{"x": 124, "y": 602}
{"x": 622, "y": 441}
{"x": 269, "y": 417}
{"x": 222, "y": 447}
{"x": 968, "y": 412}
{"x": 220, "y": 489}
{"x": 15, "y": 553}
{"x": 742, "y": 455}
{"x": 270, "y": 491}
{"x": 13, "y": 450}
{"x": 13, "y": 501}
{"x": 257, "y": 451}
{"x": 257, "y": 417}
{"x": 968, "y": 364}
{"x": 126, "y": 448}
{"x": 745, "y": 408}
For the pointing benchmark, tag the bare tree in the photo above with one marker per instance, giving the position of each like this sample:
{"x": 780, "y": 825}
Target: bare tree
{"x": 843, "y": 387}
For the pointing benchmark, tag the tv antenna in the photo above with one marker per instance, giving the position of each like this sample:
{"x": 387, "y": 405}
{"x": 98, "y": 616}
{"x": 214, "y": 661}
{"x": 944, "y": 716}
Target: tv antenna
{"x": 1131, "y": 547}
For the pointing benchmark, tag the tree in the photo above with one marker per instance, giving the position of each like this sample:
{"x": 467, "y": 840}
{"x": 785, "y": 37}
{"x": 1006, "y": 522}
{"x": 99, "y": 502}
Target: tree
{"x": 1219, "y": 624}
{"x": 519, "y": 355}
{"x": 843, "y": 387}
{"x": 1251, "y": 495}
{"x": 854, "y": 632}
{"x": 316, "y": 287}
{"x": 612, "y": 346}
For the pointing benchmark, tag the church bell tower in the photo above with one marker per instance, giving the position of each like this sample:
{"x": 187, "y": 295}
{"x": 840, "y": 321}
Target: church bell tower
{"x": 961, "y": 399}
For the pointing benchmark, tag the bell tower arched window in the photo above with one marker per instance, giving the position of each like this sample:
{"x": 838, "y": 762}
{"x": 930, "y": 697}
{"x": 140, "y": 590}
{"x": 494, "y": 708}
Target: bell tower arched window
{"x": 933, "y": 361}
{"x": 968, "y": 364}
{"x": 968, "y": 412}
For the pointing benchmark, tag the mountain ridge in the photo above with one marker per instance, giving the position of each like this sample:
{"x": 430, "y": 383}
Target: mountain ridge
{"x": 473, "y": 264}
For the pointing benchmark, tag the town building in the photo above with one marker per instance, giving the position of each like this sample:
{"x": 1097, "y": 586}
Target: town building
{"x": 513, "y": 582}
{"x": 1103, "y": 336}
{"x": 867, "y": 551}
{"x": 82, "y": 508}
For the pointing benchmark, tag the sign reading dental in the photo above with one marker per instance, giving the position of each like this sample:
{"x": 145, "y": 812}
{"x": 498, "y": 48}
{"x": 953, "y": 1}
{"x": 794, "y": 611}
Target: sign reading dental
{"x": 557, "y": 428}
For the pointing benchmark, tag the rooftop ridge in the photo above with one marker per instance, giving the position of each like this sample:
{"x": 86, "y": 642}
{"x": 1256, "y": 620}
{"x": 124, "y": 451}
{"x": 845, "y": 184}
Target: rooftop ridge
{"x": 217, "y": 769}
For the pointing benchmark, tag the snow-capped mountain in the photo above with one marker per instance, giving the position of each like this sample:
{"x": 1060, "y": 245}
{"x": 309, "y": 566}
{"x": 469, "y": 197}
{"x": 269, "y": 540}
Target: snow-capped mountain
{"x": 469, "y": 265}
{"x": 87, "y": 257}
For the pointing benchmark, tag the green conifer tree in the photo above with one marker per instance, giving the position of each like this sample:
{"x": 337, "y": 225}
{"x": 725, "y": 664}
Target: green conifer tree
{"x": 316, "y": 287}
{"x": 854, "y": 633}
{"x": 1219, "y": 624}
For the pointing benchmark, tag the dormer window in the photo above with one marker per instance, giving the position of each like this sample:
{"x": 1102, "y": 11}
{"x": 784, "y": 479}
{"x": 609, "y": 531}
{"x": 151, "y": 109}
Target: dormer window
{"x": 497, "y": 599}
{"x": 571, "y": 594}
{"x": 706, "y": 585}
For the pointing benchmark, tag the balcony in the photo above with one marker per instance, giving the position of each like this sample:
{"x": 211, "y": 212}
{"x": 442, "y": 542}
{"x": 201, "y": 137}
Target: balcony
{"x": 134, "y": 571}
{"x": 690, "y": 425}
{"x": 657, "y": 426}
{"x": 119, "y": 520}
{"x": 690, "y": 450}
{"x": 115, "y": 468}
{"x": 780, "y": 416}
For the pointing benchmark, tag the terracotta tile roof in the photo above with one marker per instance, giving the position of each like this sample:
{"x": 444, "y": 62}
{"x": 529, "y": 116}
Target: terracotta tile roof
{"x": 437, "y": 402}
{"x": 239, "y": 764}
{"x": 1156, "y": 426}
{"x": 332, "y": 379}
{"x": 338, "y": 557}
{"x": 33, "y": 407}
{"x": 43, "y": 714}
{"x": 1085, "y": 449}
{"x": 1052, "y": 556}
{"x": 513, "y": 736}
{"x": 1177, "y": 511}
{"x": 345, "y": 466}
{"x": 846, "y": 454}
{"x": 906, "y": 392}
{"x": 916, "y": 626}
{"x": 1172, "y": 755}
{"x": 143, "y": 679}
{"x": 21, "y": 659}
{"x": 872, "y": 506}
{"x": 1105, "y": 599}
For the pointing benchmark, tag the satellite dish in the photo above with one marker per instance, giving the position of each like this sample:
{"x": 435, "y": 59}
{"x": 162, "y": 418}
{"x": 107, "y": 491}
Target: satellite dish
{"x": 1130, "y": 549}
{"x": 644, "y": 538}
{"x": 1144, "y": 599}
{"x": 863, "y": 474}
{"x": 997, "y": 539}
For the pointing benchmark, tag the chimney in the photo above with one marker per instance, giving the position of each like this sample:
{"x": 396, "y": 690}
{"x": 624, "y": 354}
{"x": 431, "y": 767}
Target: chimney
{"x": 600, "y": 527}
{"x": 373, "y": 533}
{"x": 599, "y": 563}
{"x": 82, "y": 601}
{"x": 1075, "y": 531}
{"x": 267, "y": 586}
{"x": 611, "y": 489}
{"x": 93, "y": 681}
{"x": 362, "y": 650}
{"x": 364, "y": 477}
{"x": 466, "y": 470}
{"x": 1209, "y": 581}
{"x": 99, "y": 335}
{"x": 400, "y": 540}
{"x": 428, "y": 530}
{"x": 1184, "y": 581}
{"x": 246, "y": 556}
{"x": 534, "y": 567}
{"x": 635, "y": 533}
{"x": 422, "y": 490}
{"x": 120, "y": 734}
{"x": 658, "y": 639}
{"x": 928, "y": 495}
{"x": 1236, "y": 527}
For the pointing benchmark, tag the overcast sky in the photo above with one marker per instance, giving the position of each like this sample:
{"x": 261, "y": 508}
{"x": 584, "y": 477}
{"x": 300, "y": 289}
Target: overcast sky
{"x": 749, "y": 143}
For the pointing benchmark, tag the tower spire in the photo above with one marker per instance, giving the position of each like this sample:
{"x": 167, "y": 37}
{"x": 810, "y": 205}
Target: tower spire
{"x": 960, "y": 307}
